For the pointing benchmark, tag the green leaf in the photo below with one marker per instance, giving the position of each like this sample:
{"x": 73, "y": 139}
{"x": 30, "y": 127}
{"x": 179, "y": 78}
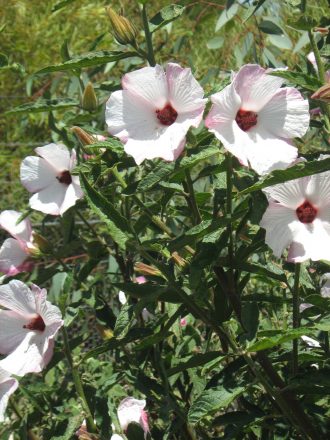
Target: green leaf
{"x": 215, "y": 43}
{"x": 87, "y": 60}
{"x": 304, "y": 23}
{"x": 166, "y": 170}
{"x": 118, "y": 226}
{"x": 165, "y": 16}
{"x": 73, "y": 424}
{"x": 134, "y": 432}
{"x": 269, "y": 27}
{"x": 304, "y": 80}
{"x": 44, "y": 105}
{"x": 226, "y": 16}
{"x": 194, "y": 361}
{"x": 280, "y": 41}
{"x": 299, "y": 170}
{"x": 3, "y": 60}
{"x": 124, "y": 320}
{"x": 253, "y": 9}
{"x": 61, "y": 4}
{"x": 268, "y": 342}
{"x": 211, "y": 401}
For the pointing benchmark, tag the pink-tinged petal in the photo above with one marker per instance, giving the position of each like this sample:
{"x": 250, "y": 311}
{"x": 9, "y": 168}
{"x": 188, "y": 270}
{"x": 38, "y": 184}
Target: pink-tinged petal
{"x": 318, "y": 192}
{"x": 315, "y": 238}
{"x": 21, "y": 231}
{"x": 224, "y": 109}
{"x": 185, "y": 93}
{"x": 280, "y": 223}
{"x": 312, "y": 60}
{"x": 12, "y": 257}
{"x": 28, "y": 355}
{"x": 50, "y": 199}
{"x": 57, "y": 155}
{"x": 267, "y": 152}
{"x": 255, "y": 86}
{"x": 36, "y": 174}
{"x": 17, "y": 297}
{"x": 127, "y": 116}
{"x": 290, "y": 194}
{"x": 286, "y": 115}
{"x": 140, "y": 280}
{"x": 73, "y": 193}
{"x": 8, "y": 386}
{"x": 235, "y": 140}
{"x": 73, "y": 160}
{"x": 132, "y": 410}
{"x": 49, "y": 313}
{"x": 148, "y": 83}
{"x": 12, "y": 331}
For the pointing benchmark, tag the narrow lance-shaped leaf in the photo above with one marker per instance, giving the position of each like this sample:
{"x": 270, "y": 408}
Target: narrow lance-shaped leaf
{"x": 301, "y": 169}
{"x": 165, "y": 16}
{"x": 87, "y": 60}
{"x": 304, "y": 80}
{"x": 44, "y": 105}
{"x": 118, "y": 226}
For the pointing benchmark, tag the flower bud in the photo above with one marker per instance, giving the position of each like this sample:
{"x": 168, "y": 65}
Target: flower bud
{"x": 41, "y": 245}
{"x": 145, "y": 269}
{"x": 323, "y": 93}
{"x": 122, "y": 29}
{"x": 89, "y": 99}
{"x": 84, "y": 137}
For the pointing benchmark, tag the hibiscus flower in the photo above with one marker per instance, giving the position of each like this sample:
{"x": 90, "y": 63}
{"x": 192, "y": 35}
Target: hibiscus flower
{"x": 255, "y": 119}
{"x": 154, "y": 111}
{"x": 132, "y": 410}
{"x": 15, "y": 252}
{"x": 49, "y": 177}
{"x": 27, "y": 328}
{"x": 298, "y": 216}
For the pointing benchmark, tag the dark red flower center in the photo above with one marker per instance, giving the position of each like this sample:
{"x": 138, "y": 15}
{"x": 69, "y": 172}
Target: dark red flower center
{"x": 65, "y": 177}
{"x": 306, "y": 212}
{"x": 36, "y": 323}
{"x": 167, "y": 116}
{"x": 246, "y": 119}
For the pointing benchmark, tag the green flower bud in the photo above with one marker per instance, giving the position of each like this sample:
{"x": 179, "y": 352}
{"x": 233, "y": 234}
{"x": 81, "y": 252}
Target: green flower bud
{"x": 89, "y": 99}
{"x": 121, "y": 28}
{"x": 41, "y": 246}
{"x": 323, "y": 93}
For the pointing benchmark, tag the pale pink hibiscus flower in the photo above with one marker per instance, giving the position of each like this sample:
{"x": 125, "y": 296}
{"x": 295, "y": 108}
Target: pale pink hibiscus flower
{"x": 49, "y": 177}
{"x": 15, "y": 252}
{"x": 7, "y": 386}
{"x": 255, "y": 119}
{"x": 27, "y": 328}
{"x": 298, "y": 217}
{"x": 154, "y": 111}
{"x": 132, "y": 410}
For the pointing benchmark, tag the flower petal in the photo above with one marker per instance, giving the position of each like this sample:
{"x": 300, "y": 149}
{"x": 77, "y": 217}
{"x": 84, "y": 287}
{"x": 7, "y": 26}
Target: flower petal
{"x": 49, "y": 313}
{"x": 16, "y": 296}
{"x": 318, "y": 191}
{"x": 286, "y": 114}
{"x": 128, "y": 116}
{"x": 148, "y": 83}
{"x": 21, "y": 231}
{"x": 73, "y": 193}
{"x": 315, "y": 239}
{"x": 36, "y": 174}
{"x": 132, "y": 410}
{"x": 50, "y": 199}
{"x": 185, "y": 93}
{"x": 12, "y": 332}
{"x": 255, "y": 86}
{"x": 290, "y": 194}
{"x": 12, "y": 257}
{"x": 279, "y": 222}
{"x": 7, "y": 387}
{"x": 225, "y": 107}
{"x": 57, "y": 155}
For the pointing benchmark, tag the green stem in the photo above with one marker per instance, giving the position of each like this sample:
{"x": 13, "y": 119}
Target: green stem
{"x": 189, "y": 188}
{"x": 151, "y": 55}
{"x": 295, "y": 317}
{"x": 321, "y": 73}
{"x": 91, "y": 427}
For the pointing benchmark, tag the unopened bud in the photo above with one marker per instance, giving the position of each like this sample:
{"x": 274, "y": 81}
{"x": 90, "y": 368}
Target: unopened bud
{"x": 41, "y": 245}
{"x": 84, "y": 137}
{"x": 121, "y": 28}
{"x": 106, "y": 333}
{"x": 89, "y": 99}
{"x": 322, "y": 30}
{"x": 179, "y": 261}
{"x": 145, "y": 269}
{"x": 323, "y": 93}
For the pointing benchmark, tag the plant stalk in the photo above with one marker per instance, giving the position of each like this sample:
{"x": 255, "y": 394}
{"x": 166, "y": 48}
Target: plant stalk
{"x": 295, "y": 317}
{"x": 148, "y": 35}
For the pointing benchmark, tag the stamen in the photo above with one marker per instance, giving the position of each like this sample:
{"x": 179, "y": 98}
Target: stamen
{"x": 167, "y": 116}
{"x": 246, "y": 119}
{"x": 65, "y": 177}
{"x": 306, "y": 212}
{"x": 36, "y": 323}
